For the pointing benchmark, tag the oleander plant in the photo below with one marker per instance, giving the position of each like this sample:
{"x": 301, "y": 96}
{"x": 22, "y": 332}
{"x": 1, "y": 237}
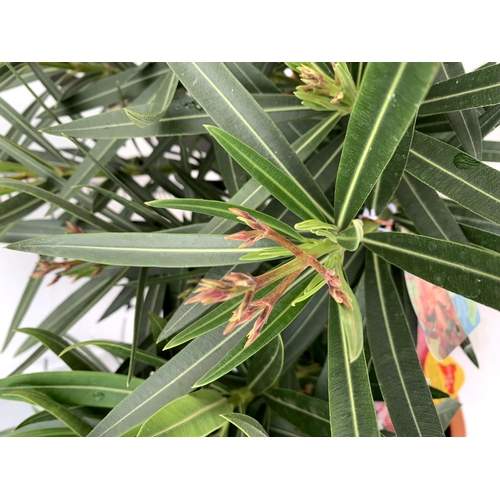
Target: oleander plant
{"x": 261, "y": 230}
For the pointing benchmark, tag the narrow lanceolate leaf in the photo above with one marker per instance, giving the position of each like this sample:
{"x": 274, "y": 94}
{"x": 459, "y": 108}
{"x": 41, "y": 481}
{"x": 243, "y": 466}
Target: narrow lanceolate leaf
{"x": 465, "y": 270}
{"x": 27, "y": 158}
{"x": 20, "y": 205}
{"x": 184, "y": 117}
{"x": 119, "y": 349}
{"x": 281, "y": 316}
{"x": 398, "y": 369}
{"x": 427, "y": 210}
{"x": 350, "y": 399}
{"x": 221, "y": 209}
{"x": 66, "y": 314}
{"x": 309, "y": 141}
{"x": 139, "y": 304}
{"x": 446, "y": 410}
{"x": 465, "y": 123}
{"x": 159, "y": 104}
{"x": 246, "y": 424}
{"x": 491, "y": 151}
{"x": 75, "y": 360}
{"x": 482, "y": 238}
{"x": 251, "y": 77}
{"x": 142, "y": 249}
{"x": 22, "y": 307}
{"x": 253, "y": 194}
{"x": 457, "y": 175}
{"x": 232, "y": 174}
{"x": 103, "y": 151}
{"x": 305, "y": 328}
{"x": 265, "y": 366}
{"x": 464, "y": 216}
{"x": 174, "y": 379}
{"x": 65, "y": 415}
{"x": 56, "y": 200}
{"x": 285, "y": 189}
{"x": 138, "y": 208}
{"x": 78, "y": 388}
{"x": 233, "y": 109}
{"x": 193, "y": 415}
{"x": 23, "y": 125}
{"x": 40, "y": 430}
{"x": 382, "y": 112}
{"x": 472, "y": 90}
{"x": 489, "y": 120}
{"x": 388, "y": 182}
{"x": 305, "y": 412}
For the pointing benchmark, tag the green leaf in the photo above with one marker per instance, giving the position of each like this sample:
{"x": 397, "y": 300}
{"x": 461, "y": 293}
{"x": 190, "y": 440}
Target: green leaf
{"x": 308, "y": 142}
{"x": 248, "y": 425}
{"x": 139, "y": 305}
{"x": 159, "y": 104}
{"x": 481, "y": 238}
{"x": 350, "y": 400}
{"x": 193, "y": 415}
{"x": 489, "y": 120}
{"x": 184, "y": 117}
{"x": 253, "y": 194}
{"x": 397, "y": 366}
{"x": 287, "y": 190}
{"x": 491, "y": 151}
{"x": 472, "y": 90}
{"x": 464, "y": 216}
{"x": 281, "y": 316}
{"x": 169, "y": 382}
{"x": 305, "y": 328}
{"x": 457, "y": 175}
{"x": 54, "y": 430}
{"x": 232, "y": 174}
{"x": 27, "y": 158}
{"x": 382, "y": 112}
{"x": 251, "y": 78}
{"x": 72, "y": 309}
{"x": 45, "y": 79}
{"x": 221, "y": 209}
{"x": 465, "y": 123}
{"x": 388, "y": 182}
{"x": 23, "y": 125}
{"x": 427, "y": 210}
{"x": 157, "y": 325}
{"x": 138, "y": 208}
{"x": 141, "y": 249}
{"x": 234, "y": 110}
{"x": 112, "y": 89}
{"x": 80, "y": 388}
{"x": 265, "y": 366}
{"x": 75, "y": 360}
{"x": 305, "y": 412}
{"x": 120, "y": 349}
{"x": 70, "y": 418}
{"x": 103, "y": 151}
{"x": 351, "y": 237}
{"x": 122, "y": 299}
{"x": 465, "y": 270}
{"x": 22, "y": 307}
{"x": 54, "y": 199}
{"x": 446, "y": 411}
